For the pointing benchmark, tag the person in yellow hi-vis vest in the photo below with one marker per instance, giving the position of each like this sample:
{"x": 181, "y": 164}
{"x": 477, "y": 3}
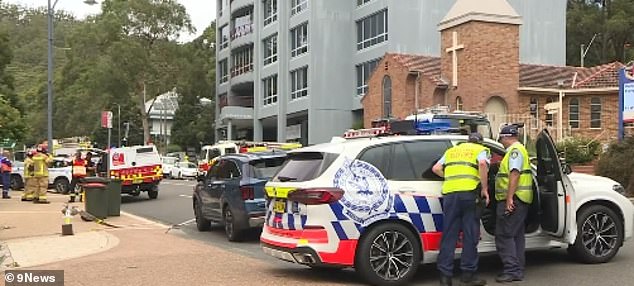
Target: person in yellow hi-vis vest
{"x": 41, "y": 160}
{"x": 514, "y": 194}
{"x": 29, "y": 184}
{"x": 465, "y": 169}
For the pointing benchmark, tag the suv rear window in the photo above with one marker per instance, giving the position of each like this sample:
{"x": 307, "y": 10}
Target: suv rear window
{"x": 304, "y": 166}
{"x": 265, "y": 168}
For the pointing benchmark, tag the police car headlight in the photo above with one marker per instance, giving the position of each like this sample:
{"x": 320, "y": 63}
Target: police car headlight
{"x": 619, "y": 189}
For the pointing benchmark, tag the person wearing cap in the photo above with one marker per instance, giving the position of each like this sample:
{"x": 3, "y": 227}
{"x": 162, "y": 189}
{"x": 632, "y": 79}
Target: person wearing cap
{"x": 514, "y": 194}
{"x": 465, "y": 169}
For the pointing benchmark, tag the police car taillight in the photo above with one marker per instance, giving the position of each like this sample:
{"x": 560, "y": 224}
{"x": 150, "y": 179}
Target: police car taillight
{"x": 316, "y": 196}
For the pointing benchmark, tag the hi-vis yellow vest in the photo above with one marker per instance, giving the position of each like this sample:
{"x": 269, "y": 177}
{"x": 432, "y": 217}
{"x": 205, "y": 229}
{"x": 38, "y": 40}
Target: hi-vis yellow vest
{"x": 461, "y": 168}
{"x": 40, "y": 164}
{"x": 525, "y": 185}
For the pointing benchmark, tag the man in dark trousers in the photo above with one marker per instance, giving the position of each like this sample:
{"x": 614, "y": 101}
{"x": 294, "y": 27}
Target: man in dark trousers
{"x": 514, "y": 194}
{"x": 464, "y": 168}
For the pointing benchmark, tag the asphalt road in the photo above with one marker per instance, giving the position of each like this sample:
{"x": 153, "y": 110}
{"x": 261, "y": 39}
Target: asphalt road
{"x": 544, "y": 267}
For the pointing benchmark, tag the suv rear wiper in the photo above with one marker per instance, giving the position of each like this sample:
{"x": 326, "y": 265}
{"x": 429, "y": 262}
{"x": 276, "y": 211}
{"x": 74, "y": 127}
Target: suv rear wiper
{"x": 286, "y": 179}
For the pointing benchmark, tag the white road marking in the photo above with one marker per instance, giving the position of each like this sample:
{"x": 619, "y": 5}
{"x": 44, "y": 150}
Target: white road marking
{"x": 186, "y": 196}
{"x": 185, "y": 184}
{"x": 151, "y": 222}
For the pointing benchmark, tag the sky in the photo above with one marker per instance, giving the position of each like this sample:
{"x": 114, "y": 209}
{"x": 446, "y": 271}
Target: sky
{"x": 201, "y": 12}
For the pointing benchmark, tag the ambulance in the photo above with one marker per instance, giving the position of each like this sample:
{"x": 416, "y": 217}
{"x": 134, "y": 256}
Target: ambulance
{"x": 372, "y": 203}
{"x": 138, "y": 167}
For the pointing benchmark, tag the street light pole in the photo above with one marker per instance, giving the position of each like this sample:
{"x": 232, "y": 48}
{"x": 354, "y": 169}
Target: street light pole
{"x": 49, "y": 117}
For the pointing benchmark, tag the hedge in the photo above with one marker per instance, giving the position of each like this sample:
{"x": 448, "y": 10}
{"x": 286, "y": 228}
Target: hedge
{"x": 618, "y": 164}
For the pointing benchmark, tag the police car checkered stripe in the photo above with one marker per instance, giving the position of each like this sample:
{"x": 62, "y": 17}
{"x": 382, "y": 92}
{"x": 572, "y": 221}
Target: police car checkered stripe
{"x": 286, "y": 220}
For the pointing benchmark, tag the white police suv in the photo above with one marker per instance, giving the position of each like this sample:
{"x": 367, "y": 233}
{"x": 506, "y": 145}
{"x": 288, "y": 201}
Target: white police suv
{"x": 374, "y": 204}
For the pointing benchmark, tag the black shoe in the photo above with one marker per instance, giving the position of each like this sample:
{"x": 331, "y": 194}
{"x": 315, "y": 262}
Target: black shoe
{"x": 41, "y": 202}
{"x": 471, "y": 279}
{"x": 6, "y": 196}
{"x": 505, "y": 278}
{"x": 72, "y": 200}
{"x": 445, "y": 280}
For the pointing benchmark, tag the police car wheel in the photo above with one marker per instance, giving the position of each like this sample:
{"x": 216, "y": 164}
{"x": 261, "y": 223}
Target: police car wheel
{"x": 202, "y": 224}
{"x": 389, "y": 254}
{"x": 599, "y": 235}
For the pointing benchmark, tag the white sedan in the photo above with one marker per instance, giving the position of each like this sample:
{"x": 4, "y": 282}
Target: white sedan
{"x": 183, "y": 170}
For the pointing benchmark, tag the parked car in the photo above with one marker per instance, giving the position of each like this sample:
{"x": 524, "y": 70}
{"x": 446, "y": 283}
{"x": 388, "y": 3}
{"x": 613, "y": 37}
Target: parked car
{"x": 182, "y": 170}
{"x": 168, "y": 164}
{"x": 232, "y": 192}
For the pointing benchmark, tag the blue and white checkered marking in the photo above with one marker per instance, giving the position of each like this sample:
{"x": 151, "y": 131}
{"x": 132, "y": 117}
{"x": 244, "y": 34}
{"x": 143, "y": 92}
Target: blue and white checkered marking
{"x": 291, "y": 219}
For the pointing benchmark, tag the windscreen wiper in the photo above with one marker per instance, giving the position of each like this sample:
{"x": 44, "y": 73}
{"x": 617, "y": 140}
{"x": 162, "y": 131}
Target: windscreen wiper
{"x": 286, "y": 179}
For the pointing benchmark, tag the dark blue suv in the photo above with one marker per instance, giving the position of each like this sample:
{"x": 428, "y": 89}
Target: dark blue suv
{"x": 232, "y": 192}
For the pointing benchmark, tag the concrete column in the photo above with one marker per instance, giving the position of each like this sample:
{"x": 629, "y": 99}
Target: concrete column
{"x": 229, "y": 130}
{"x": 257, "y": 130}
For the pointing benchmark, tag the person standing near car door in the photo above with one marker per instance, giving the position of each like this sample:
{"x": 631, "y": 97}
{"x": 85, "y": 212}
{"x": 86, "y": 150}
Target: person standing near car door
{"x": 79, "y": 172}
{"x": 465, "y": 169}
{"x": 514, "y": 194}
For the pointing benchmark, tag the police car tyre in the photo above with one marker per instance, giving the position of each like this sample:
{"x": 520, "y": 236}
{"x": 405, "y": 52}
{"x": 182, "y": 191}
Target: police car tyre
{"x": 599, "y": 235}
{"x": 62, "y": 185}
{"x": 232, "y": 233}
{"x": 388, "y": 254}
{"x": 202, "y": 224}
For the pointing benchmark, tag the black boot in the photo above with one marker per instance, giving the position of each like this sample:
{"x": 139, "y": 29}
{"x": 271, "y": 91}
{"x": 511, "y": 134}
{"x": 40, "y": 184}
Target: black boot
{"x": 471, "y": 279}
{"x": 445, "y": 280}
{"x": 6, "y": 196}
{"x": 72, "y": 199}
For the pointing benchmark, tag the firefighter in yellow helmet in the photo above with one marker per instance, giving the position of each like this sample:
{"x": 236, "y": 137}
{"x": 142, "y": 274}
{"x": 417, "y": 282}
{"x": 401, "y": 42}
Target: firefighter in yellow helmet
{"x": 29, "y": 184}
{"x": 464, "y": 168}
{"x": 41, "y": 160}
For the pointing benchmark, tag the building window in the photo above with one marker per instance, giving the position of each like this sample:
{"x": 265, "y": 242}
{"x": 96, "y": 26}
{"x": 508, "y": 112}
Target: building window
{"x": 242, "y": 62}
{"x": 364, "y": 71}
{"x": 270, "y": 11}
{"x": 224, "y": 71}
{"x": 459, "y": 105}
{"x": 387, "y": 97}
{"x": 573, "y": 119}
{"x": 224, "y": 37}
{"x": 298, "y": 6}
{"x": 549, "y": 116}
{"x": 595, "y": 112}
{"x": 372, "y": 30}
{"x": 242, "y": 26}
{"x": 299, "y": 40}
{"x": 270, "y": 50}
{"x": 299, "y": 83}
{"x": 269, "y": 95}
{"x": 361, "y": 2}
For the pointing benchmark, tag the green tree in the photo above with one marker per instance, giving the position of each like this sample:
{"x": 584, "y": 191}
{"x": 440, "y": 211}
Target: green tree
{"x": 612, "y": 23}
{"x": 11, "y": 123}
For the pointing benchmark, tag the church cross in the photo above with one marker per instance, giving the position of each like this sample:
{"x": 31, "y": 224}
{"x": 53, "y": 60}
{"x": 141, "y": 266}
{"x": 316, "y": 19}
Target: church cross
{"x": 454, "y": 57}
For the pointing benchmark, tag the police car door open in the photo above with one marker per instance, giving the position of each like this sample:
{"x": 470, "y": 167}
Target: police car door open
{"x": 551, "y": 187}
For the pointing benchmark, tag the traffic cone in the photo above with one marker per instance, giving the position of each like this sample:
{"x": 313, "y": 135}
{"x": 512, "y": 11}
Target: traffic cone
{"x": 67, "y": 227}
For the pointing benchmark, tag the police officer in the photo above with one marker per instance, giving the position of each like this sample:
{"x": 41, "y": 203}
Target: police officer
{"x": 514, "y": 194}
{"x": 29, "y": 185}
{"x": 464, "y": 168}
{"x": 40, "y": 175}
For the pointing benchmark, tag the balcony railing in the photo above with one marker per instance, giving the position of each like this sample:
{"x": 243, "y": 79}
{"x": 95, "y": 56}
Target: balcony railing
{"x": 238, "y": 70}
{"x": 241, "y": 31}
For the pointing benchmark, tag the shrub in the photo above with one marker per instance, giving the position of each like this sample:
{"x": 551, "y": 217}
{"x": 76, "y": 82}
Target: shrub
{"x": 173, "y": 148}
{"x": 579, "y": 150}
{"x": 618, "y": 162}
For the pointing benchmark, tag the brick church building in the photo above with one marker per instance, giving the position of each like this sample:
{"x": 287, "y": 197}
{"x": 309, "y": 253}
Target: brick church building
{"x": 479, "y": 70}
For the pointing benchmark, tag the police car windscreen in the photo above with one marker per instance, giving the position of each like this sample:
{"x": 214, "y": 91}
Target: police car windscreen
{"x": 304, "y": 166}
{"x": 265, "y": 168}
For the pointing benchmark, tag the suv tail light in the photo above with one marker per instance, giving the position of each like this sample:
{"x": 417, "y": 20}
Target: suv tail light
{"x": 247, "y": 193}
{"x": 316, "y": 196}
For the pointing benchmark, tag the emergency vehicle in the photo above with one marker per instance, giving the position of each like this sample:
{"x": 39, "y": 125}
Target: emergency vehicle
{"x": 221, "y": 148}
{"x": 373, "y": 203}
{"x": 138, "y": 167}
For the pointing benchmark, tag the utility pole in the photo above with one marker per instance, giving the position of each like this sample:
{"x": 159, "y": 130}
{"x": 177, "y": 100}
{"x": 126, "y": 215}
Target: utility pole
{"x": 49, "y": 118}
{"x": 584, "y": 50}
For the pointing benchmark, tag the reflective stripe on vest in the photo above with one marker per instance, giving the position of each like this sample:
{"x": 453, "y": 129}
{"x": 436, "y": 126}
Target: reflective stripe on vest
{"x": 461, "y": 168}
{"x": 524, "y": 189}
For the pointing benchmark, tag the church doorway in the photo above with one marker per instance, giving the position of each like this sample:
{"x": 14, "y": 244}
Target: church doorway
{"x": 496, "y": 111}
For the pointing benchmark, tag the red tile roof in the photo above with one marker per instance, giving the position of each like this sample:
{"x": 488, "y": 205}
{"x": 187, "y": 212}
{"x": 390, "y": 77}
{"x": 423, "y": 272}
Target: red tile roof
{"x": 531, "y": 75}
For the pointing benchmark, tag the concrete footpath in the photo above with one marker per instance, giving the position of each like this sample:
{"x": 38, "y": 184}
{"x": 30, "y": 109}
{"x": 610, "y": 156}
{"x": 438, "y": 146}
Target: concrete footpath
{"x": 139, "y": 252}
